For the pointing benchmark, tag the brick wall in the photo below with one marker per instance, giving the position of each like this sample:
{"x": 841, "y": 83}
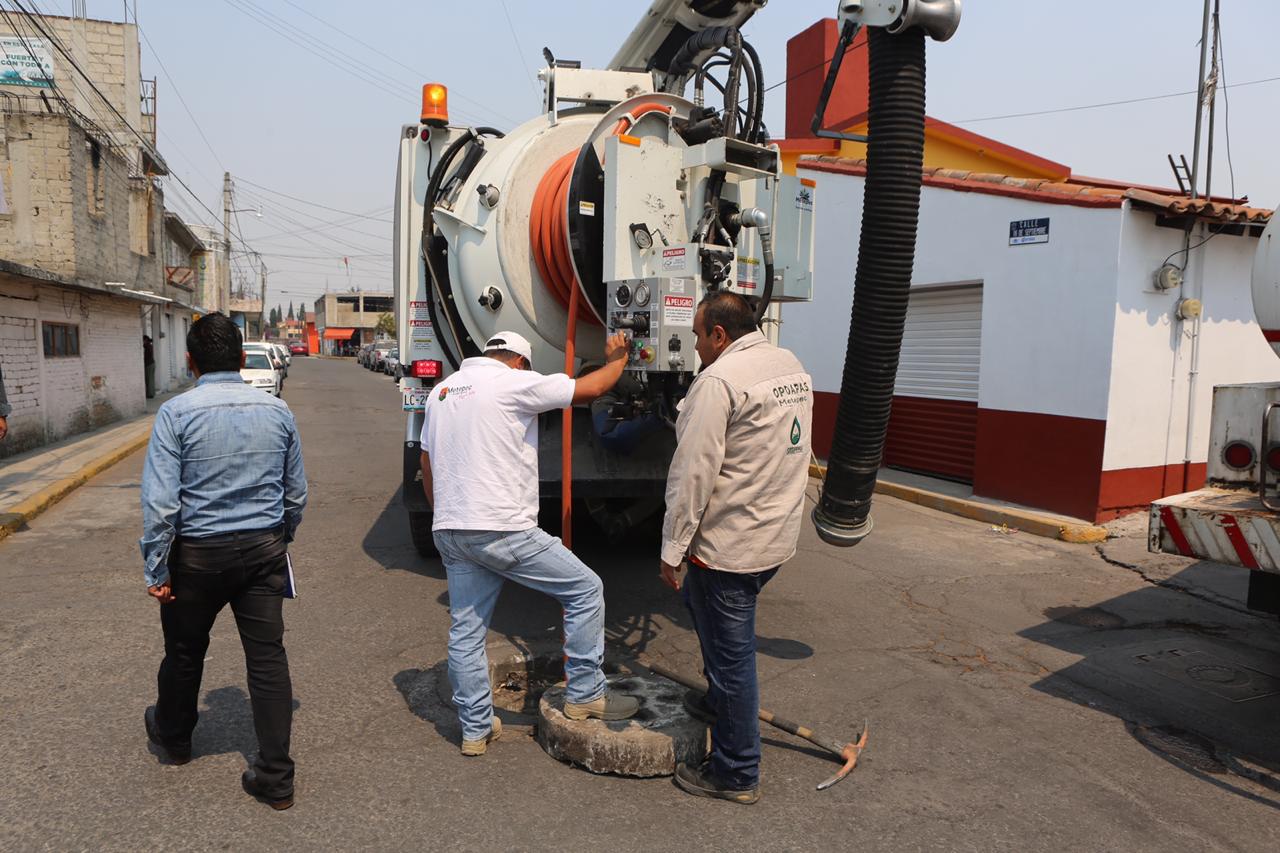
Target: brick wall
{"x": 20, "y": 364}
{"x": 74, "y": 210}
{"x": 57, "y": 397}
{"x": 109, "y": 53}
{"x": 37, "y": 230}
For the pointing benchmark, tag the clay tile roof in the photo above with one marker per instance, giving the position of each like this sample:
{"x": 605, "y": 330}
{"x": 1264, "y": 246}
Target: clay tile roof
{"x": 1085, "y": 192}
{"x": 1178, "y": 205}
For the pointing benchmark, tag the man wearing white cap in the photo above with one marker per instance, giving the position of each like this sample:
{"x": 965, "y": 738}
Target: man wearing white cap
{"x": 480, "y": 473}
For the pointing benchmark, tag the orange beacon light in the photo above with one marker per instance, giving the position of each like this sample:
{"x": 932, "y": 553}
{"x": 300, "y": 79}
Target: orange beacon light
{"x": 435, "y": 105}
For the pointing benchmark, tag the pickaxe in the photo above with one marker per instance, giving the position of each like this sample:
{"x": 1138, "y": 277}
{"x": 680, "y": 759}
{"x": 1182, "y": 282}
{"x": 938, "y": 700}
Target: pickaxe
{"x": 848, "y": 752}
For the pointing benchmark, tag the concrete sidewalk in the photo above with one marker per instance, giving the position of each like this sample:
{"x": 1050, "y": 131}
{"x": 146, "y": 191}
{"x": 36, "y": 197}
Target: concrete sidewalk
{"x": 32, "y": 482}
{"x": 959, "y": 499}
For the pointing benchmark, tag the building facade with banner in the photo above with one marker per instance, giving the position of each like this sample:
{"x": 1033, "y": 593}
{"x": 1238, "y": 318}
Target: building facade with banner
{"x": 93, "y": 311}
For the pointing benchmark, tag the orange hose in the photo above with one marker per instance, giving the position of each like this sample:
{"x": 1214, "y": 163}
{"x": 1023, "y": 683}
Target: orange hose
{"x": 549, "y": 238}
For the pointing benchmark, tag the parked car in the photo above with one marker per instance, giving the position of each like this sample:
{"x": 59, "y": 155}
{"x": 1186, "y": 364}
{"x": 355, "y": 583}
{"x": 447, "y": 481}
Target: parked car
{"x": 391, "y": 364}
{"x": 379, "y": 354}
{"x": 284, "y": 353}
{"x": 260, "y": 372}
{"x": 270, "y": 351}
{"x": 363, "y": 355}
{"x": 298, "y": 348}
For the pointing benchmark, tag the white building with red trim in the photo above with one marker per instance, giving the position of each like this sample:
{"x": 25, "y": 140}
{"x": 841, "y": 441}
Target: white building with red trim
{"x": 1041, "y": 363}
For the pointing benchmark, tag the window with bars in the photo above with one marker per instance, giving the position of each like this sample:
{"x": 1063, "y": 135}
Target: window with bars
{"x": 61, "y": 340}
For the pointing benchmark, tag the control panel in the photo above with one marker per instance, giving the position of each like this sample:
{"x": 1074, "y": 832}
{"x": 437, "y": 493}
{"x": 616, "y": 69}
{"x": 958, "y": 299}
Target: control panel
{"x": 657, "y": 315}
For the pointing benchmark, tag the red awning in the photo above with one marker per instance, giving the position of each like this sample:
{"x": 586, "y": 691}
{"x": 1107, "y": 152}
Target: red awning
{"x": 332, "y": 334}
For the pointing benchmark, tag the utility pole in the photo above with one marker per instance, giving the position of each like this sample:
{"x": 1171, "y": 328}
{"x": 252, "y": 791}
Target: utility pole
{"x": 1191, "y": 327}
{"x": 226, "y": 238}
{"x": 1204, "y": 59}
{"x": 262, "y": 314}
{"x": 1213, "y": 103}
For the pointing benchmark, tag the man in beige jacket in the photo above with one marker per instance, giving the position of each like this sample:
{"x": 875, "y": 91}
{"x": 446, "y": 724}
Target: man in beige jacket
{"x": 735, "y": 502}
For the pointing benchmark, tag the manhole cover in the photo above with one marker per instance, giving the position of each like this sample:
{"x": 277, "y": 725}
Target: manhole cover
{"x": 661, "y": 734}
{"x": 1218, "y": 674}
{"x": 1211, "y": 674}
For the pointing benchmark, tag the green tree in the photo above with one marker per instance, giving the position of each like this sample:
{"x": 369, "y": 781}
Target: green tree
{"x": 291, "y": 314}
{"x": 386, "y": 326}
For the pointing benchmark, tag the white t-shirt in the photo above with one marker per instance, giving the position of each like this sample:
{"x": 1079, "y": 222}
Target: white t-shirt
{"x": 481, "y": 433}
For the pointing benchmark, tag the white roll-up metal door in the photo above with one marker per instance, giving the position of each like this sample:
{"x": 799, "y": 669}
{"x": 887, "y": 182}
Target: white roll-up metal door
{"x": 933, "y": 428}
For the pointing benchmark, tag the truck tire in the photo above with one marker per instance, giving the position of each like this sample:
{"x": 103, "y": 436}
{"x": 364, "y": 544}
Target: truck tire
{"x": 420, "y": 530}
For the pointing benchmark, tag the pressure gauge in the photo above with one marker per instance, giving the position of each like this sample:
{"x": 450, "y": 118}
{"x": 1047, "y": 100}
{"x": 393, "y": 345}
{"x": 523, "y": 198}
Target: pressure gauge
{"x": 622, "y": 296}
{"x": 642, "y": 295}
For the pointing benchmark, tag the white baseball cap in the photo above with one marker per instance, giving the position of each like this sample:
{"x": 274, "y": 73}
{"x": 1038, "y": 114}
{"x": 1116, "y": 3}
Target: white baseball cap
{"x": 511, "y": 342}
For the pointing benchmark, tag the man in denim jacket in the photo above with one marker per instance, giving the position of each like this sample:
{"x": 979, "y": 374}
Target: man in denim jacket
{"x": 222, "y": 495}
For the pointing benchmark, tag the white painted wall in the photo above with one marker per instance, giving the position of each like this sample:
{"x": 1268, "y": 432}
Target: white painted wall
{"x": 58, "y": 397}
{"x": 1048, "y": 310}
{"x": 1151, "y": 377}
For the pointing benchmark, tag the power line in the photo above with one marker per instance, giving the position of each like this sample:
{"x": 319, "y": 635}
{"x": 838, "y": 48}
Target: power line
{"x": 1109, "y": 103}
{"x": 321, "y": 49}
{"x": 303, "y": 226}
{"x": 1226, "y": 105}
{"x": 314, "y": 203}
{"x": 313, "y": 41}
{"x": 178, "y": 92}
{"x": 519, "y": 48}
{"x": 264, "y": 199}
{"x": 324, "y": 226}
{"x": 417, "y": 74}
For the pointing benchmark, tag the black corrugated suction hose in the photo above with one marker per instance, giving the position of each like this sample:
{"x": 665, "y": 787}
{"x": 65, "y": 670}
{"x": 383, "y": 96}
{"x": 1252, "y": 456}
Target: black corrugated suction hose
{"x": 886, "y": 255}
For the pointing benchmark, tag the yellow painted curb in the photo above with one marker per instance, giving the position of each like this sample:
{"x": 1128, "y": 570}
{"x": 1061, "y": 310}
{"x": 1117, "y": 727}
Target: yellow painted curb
{"x": 13, "y": 519}
{"x": 1026, "y": 521}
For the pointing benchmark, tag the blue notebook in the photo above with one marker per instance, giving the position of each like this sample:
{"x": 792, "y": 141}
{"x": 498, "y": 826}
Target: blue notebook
{"x": 290, "y": 586}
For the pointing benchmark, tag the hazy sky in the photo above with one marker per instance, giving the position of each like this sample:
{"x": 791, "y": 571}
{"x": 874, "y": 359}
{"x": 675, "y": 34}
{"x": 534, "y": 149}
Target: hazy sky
{"x": 300, "y": 121}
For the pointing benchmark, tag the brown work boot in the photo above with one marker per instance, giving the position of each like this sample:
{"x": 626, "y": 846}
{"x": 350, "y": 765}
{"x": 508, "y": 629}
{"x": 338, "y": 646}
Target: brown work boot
{"x": 472, "y": 748}
{"x": 700, "y": 782}
{"x": 611, "y": 706}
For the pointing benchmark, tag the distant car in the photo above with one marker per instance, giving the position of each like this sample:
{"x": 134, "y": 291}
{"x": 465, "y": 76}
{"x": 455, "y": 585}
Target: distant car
{"x": 391, "y": 364}
{"x": 283, "y": 352}
{"x": 259, "y": 372}
{"x": 298, "y": 348}
{"x": 377, "y": 355}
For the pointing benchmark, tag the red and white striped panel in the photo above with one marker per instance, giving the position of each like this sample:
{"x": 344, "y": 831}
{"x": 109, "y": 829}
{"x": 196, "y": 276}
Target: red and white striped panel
{"x": 1222, "y": 525}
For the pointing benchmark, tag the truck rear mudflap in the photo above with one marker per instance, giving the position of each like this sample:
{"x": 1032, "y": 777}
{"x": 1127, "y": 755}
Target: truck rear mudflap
{"x": 1228, "y": 526}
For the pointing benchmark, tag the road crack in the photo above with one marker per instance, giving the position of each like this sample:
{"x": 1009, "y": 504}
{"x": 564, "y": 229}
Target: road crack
{"x": 1165, "y": 583}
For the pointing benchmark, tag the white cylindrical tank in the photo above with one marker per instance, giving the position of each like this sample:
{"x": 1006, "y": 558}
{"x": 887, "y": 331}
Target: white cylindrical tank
{"x": 491, "y": 247}
{"x": 1266, "y": 284}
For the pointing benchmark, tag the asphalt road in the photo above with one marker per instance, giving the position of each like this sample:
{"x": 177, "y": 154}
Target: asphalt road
{"x": 1022, "y": 694}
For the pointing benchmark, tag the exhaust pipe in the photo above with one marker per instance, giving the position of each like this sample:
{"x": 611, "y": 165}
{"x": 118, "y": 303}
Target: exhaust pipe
{"x": 886, "y": 255}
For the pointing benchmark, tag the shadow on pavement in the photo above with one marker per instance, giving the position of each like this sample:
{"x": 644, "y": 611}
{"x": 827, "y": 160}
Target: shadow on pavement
{"x": 389, "y": 544}
{"x": 1196, "y": 684}
{"x": 226, "y": 724}
{"x": 783, "y": 649}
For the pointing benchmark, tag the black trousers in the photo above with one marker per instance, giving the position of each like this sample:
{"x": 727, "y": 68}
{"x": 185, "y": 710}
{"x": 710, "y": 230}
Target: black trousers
{"x": 246, "y": 570}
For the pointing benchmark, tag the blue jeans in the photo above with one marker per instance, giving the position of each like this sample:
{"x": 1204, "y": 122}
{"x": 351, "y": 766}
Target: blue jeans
{"x": 723, "y": 605}
{"x": 478, "y": 562}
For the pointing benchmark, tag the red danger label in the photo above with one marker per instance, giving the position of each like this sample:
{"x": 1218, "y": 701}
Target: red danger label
{"x": 678, "y": 301}
{"x": 673, "y": 253}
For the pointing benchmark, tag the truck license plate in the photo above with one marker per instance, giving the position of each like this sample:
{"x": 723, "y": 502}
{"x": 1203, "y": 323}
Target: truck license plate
{"x": 415, "y": 399}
